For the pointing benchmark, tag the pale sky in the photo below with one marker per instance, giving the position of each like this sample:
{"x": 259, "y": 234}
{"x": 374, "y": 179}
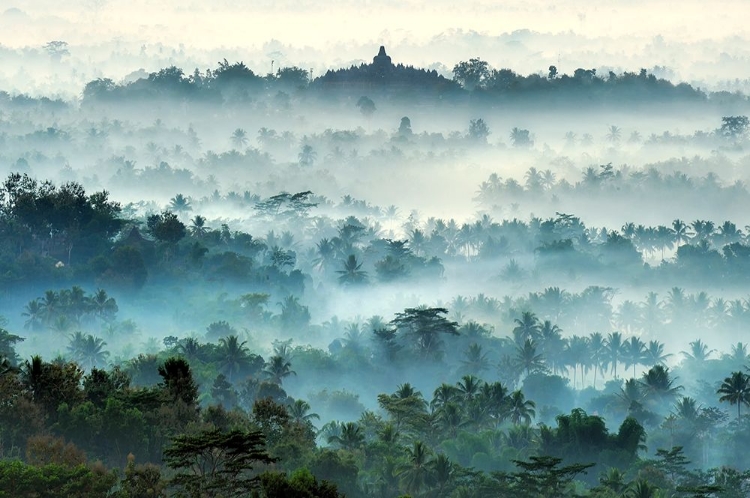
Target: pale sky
{"x": 219, "y": 23}
{"x": 699, "y": 42}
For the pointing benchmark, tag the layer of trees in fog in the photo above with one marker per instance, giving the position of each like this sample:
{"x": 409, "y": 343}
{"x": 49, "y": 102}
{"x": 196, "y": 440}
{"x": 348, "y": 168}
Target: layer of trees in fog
{"x": 376, "y": 282}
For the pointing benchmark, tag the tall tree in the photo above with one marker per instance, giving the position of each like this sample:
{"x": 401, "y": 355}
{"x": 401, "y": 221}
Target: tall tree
{"x": 217, "y": 463}
{"x": 736, "y": 390}
{"x": 425, "y": 326}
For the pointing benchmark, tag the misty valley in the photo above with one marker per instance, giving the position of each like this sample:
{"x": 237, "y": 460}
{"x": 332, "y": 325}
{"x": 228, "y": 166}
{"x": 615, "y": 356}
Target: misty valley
{"x": 375, "y": 281}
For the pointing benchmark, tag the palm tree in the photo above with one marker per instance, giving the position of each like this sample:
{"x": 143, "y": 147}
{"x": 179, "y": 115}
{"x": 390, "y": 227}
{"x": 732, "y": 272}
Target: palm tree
{"x": 34, "y": 311}
{"x": 239, "y": 138}
{"x": 736, "y": 390}
{"x": 190, "y": 348}
{"x": 634, "y": 353}
{"x": 651, "y": 313}
{"x": 444, "y": 394}
{"x": 630, "y": 393}
{"x": 88, "y": 350}
{"x": 681, "y": 232}
{"x": 32, "y": 375}
{"x": 476, "y": 361}
{"x": 180, "y": 204}
{"x": 597, "y": 352}
{"x": 703, "y": 229}
{"x": 570, "y": 138}
{"x": 325, "y": 254}
{"x": 468, "y": 388}
{"x": 615, "y": 350}
{"x": 442, "y": 472}
{"x": 658, "y": 387}
{"x": 451, "y": 419}
{"x": 577, "y": 353}
{"x": 234, "y": 356}
{"x": 277, "y": 369}
{"x": 614, "y": 134}
{"x": 738, "y": 356}
{"x": 414, "y": 473}
{"x": 350, "y": 437}
{"x": 299, "y": 412}
{"x": 613, "y": 480}
{"x": 198, "y": 226}
{"x": 519, "y": 409}
{"x": 307, "y": 155}
{"x": 552, "y": 344}
{"x": 654, "y": 354}
{"x": 352, "y": 272}
{"x": 494, "y": 397}
{"x": 699, "y": 352}
{"x": 103, "y": 306}
{"x": 687, "y": 409}
{"x": 642, "y": 489}
{"x": 527, "y": 327}
{"x": 527, "y": 359}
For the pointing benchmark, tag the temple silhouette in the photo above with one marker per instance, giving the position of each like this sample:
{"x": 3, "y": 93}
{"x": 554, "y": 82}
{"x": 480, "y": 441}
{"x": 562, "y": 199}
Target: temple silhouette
{"x": 382, "y": 60}
{"x": 384, "y": 77}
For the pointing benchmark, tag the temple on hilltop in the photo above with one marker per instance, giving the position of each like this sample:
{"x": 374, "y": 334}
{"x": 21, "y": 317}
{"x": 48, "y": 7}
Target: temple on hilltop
{"x": 383, "y": 76}
{"x": 382, "y": 59}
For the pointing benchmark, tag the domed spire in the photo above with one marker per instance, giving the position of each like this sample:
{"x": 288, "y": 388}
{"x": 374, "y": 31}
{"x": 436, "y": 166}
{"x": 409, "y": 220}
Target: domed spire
{"x": 382, "y": 58}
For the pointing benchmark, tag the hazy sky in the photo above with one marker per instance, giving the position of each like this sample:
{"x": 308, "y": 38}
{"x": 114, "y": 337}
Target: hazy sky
{"x": 705, "y": 44}
{"x": 317, "y": 23}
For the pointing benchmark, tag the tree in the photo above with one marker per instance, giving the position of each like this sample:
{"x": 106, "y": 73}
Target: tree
{"x": 425, "y": 326}
{"x": 615, "y": 350}
{"x": 301, "y": 483}
{"x": 734, "y": 127}
{"x": 88, "y": 350}
{"x": 278, "y": 368}
{"x": 476, "y": 361}
{"x": 198, "y": 228}
{"x": 299, "y": 412}
{"x": 217, "y": 463}
{"x": 519, "y": 409}
{"x": 634, "y": 352}
{"x": 614, "y": 134}
{"x": 239, "y": 138}
{"x": 234, "y": 356}
{"x": 180, "y": 204}
{"x": 414, "y": 472}
{"x": 307, "y": 156}
{"x": 404, "y": 128}
{"x": 292, "y": 77}
{"x": 526, "y": 359}
{"x": 56, "y": 49}
{"x": 478, "y": 130}
{"x": 366, "y": 106}
{"x": 177, "y": 379}
{"x": 352, "y": 273}
{"x": 7, "y": 343}
{"x": 736, "y": 390}
{"x": 658, "y": 387}
{"x": 471, "y": 74}
{"x": 350, "y": 438}
{"x": 527, "y": 328}
{"x": 699, "y": 352}
{"x": 521, "y": 138}
{"x": 542, "y": 476}
{"x": 166, "y": 227}
{"x": 641, "y": 489}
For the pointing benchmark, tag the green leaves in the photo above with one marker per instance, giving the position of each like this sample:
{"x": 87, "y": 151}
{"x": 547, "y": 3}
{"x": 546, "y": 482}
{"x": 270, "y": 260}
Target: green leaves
{"x": 215, "y": 463}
